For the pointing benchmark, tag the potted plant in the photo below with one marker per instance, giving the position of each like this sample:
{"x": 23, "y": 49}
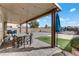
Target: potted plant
{"x": 75, "y": 46}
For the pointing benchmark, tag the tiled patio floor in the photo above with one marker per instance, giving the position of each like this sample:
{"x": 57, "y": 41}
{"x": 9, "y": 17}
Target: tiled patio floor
{"x": 38, "y": 48}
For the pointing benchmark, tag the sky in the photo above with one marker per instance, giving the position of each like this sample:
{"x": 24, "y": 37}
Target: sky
{"x": 44, "y": 20}
{"x": 69, "y": 15}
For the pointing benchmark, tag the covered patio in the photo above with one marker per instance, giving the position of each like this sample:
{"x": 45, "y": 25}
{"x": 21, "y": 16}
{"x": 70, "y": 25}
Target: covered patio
{"x": 23, "y": 13}
{"x": 37, "y": 48}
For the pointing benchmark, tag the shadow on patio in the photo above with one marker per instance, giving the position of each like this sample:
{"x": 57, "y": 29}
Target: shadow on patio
{"x": 23, "y": 49}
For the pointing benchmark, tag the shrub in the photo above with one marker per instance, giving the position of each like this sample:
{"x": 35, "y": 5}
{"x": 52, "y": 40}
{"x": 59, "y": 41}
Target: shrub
{"x": 77, "y": 32}
{"x": 75, "y": 43}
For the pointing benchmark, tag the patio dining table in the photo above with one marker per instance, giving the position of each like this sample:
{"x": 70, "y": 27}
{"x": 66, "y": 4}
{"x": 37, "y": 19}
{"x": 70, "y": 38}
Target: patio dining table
{"x": 21, "y": 34}
{"x": 22, "y": 38}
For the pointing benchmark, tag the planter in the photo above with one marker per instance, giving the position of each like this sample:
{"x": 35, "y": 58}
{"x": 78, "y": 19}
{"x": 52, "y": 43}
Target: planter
{"x": 75, "y": 51}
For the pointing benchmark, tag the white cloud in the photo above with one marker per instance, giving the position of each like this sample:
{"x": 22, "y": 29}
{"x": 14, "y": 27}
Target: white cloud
{"x": 78, "y": 24}
{"x": 64, "y": 19}
{"x": 71, "y": 23}
{"x": 38, "y": 20}
{"x": 73, "y": 9}
{"x": 61, "y": 19}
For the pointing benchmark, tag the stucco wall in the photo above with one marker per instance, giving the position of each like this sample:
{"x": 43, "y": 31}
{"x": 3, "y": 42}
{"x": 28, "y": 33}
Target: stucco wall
{"x": 1, "y": 36}
{"x": 37, "y": 30}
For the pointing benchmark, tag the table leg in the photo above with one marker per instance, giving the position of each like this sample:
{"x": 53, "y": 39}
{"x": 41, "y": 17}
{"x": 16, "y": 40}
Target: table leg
{"x": 24, "y": 41}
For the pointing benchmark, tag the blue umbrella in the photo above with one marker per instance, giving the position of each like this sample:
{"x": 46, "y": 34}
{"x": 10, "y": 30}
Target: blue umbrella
{"x": 58, "y": 26}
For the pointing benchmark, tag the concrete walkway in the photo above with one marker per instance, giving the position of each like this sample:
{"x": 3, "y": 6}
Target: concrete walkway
{"x": 63, "y": 36}
{"x": 66, "y": 36}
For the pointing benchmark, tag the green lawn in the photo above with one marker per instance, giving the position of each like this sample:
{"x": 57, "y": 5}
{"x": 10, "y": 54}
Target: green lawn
{"x": 63, "y": 43}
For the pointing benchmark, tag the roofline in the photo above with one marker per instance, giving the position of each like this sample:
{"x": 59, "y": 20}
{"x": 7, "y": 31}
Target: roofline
{"x": 58, "y": 7}
{"x": 48, "y": 12}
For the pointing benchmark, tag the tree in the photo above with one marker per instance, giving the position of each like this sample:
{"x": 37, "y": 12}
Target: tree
{"x": 34, "y": 24}
{"x": 46, "y": 26}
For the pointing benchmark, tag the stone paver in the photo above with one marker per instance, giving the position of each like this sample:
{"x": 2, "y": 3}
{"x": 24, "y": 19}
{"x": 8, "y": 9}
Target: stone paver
{"x": 42, "y": 52}
{"x": 63, "y": 53}
{"x": 38, "y": 48}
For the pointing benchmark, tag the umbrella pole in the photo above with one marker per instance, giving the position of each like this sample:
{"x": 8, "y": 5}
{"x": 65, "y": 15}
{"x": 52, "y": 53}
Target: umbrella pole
{"x": 57, "y": 39}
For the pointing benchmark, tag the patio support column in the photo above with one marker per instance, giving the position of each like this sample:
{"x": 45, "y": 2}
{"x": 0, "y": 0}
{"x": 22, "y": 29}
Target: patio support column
{"x": 4, "y": 18}
{"x": 26, "y": 28}
{"x": 20, "y": 28}
{"x": 53, "y": 25}
{"x": 4, "y": 25}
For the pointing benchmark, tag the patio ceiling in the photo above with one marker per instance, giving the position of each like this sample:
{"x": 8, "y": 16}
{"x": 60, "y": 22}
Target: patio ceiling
{"x": 18, "y": 13}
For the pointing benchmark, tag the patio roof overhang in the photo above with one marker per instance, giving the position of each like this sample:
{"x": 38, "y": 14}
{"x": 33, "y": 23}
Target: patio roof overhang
{"x": 19, "y": 13}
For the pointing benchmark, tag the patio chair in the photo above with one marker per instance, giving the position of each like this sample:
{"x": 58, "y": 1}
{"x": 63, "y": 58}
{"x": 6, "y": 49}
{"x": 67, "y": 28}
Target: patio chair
{"x": 31, "y": 38}
{"x": 14, "y": 41}
{"x": 19, "y": 41}
{"x": 28, "y": 38}
{"x": 6, "y": 39}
